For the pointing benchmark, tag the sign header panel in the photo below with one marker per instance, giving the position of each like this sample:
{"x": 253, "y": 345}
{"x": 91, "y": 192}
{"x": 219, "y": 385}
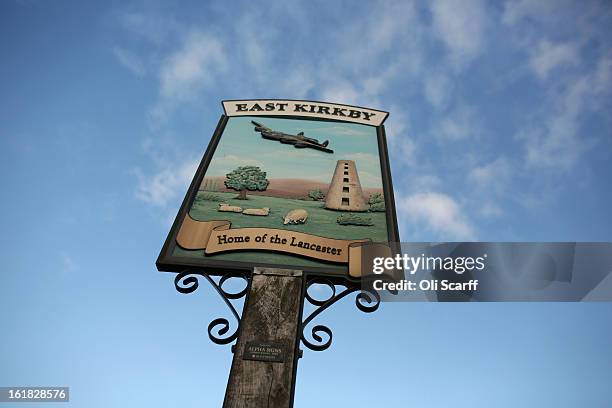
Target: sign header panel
{"x": 320, "y": 110}
{"x": 287, "y": 188}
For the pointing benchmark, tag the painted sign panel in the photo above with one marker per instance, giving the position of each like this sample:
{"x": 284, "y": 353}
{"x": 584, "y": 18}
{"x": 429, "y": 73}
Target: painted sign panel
{"x": 289, "y": 184}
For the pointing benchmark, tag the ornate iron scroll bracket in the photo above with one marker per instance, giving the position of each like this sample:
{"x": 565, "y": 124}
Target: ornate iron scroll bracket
{"x": 187, "y": 282}
{"x": 366, "y": 300}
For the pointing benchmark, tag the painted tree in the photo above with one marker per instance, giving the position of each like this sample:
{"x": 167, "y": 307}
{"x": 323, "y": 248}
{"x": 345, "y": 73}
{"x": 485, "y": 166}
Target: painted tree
{"x": 316, "y": 194}
{"x": 376, "y": 202}
{"x": 245, "y": 178}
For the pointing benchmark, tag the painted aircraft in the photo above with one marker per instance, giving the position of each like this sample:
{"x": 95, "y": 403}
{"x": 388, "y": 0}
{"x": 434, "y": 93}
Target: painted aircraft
{"x": 298, "y": 141}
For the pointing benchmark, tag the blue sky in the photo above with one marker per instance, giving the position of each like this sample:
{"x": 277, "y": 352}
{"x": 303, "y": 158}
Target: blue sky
{"x": 499, "y": 129}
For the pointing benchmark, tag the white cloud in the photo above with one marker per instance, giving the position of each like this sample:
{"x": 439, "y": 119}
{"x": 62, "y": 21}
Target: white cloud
{"x": 491, "y": 175}
{"x": 461, "y": 27}
{"x": 602, "y": 77}
{"x": 375, "y": 84}
{"x": 461, "y": 123}
{"x": 189, "y": 70}
{"x": 384, "y": 26}
{"x": 405, "y": 147}
{"x": 490, "y": 180}
{"x": 575, "y": 76}
{"x": 516, "y": 10}
{"x": 548, "y": 56}
{"x": 437, "y": 89}
{"x": 396, "y": 125}
{"x": 392, "y": 22}
{"x": 149, "y": 26}
{"x": 555, "y": 144}
{"x": 425, "y": 182}
{"x": 130, "y": 60}
{"x": 438, "y": 212}
{"x": 298, "y": 83}
{"x": 401, "y": 146}
{"x": 165, "y": 185}
{"x": 192, "y": 66}
{"x": 341, "y": 92}
{"x": 556, "y": 141}
{"x": 490, "y": 210}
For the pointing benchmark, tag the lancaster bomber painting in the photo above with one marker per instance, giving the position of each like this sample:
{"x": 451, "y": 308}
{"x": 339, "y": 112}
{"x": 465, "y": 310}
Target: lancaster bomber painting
{"x": 298, "y": 141}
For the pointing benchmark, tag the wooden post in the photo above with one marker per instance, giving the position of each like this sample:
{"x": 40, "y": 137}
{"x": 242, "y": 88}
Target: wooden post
{"x": 264, "y": 364}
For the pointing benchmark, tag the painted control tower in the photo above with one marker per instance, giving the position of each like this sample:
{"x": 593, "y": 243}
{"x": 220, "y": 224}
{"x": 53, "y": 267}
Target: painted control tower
{"x": 345, "y": 189}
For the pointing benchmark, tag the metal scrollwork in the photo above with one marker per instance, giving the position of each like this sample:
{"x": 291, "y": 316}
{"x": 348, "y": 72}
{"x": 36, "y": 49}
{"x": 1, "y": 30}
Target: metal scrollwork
{"x": 367, "y": 301}
{"x": 187, "y": 282}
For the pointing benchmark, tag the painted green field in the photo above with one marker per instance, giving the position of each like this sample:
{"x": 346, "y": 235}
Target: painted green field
{"x": 321, "y": 222}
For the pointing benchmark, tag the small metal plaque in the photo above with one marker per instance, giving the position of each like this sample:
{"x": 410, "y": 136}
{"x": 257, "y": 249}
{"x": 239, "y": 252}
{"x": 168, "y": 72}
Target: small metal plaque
{"x": 264, "y": 351}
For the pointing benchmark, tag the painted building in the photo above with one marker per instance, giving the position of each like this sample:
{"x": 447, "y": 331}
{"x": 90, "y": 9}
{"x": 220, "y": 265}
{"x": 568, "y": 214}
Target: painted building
{"x": 345, "y": 192}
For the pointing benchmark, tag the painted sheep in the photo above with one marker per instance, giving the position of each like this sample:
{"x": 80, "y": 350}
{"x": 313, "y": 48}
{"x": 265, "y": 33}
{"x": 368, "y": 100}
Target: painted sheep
{"x": 229, "y": 208}
{"x": 256, "y": 211}
{"x": 298, "y": 216}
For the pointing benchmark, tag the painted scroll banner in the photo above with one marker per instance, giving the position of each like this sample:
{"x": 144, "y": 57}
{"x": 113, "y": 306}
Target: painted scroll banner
{"x": 319, "y": 110}
{"x": 218, "y": 236}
